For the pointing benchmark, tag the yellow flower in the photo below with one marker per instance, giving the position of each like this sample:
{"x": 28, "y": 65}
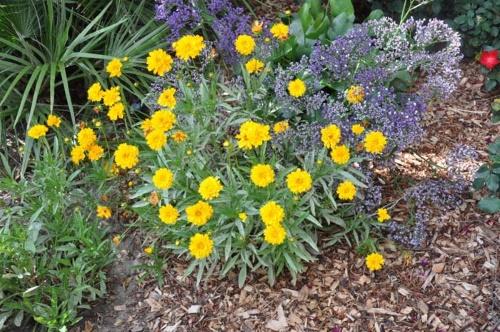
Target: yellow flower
{"x": 355, "y": 94}
{"x": 274, "y": 234}
{"x": 299, "y": 181}
{"x": 346, "y": 190}
{"x": 53, "y": 121}
{"x": 114, "y": 68}
{"x": 188, "y": 47}
{"x": 179, "y": 136}
{"x": 200, "y": 246}
{"x": 374, "y": 261}
{"x": 375, "y": 142}
{"x": 117, "y": 240}
{"x": 199, "y": 213}
{"x": 111, "y": 96}
{"x": 159, "y": 62}
{"x": 330, "y": 136}
{"x": 95, "y": 152}
{"x": 257, "y": 27}
{"x": 163, "y": 178}
{"x": 244, "y": 44}
{"x": 243, "y": 216}
{"x": 103, "y": 212}
{"x": 281, "y": 127}
{"x": 254, "y": 66}
{"x": 116, "y": 112}
{"x": 95, "y": 93}
{"x": 297, "y": 88}
{"x": 340, "y": 154}
{"x": 148, "y": 250}
{"x": 167, "y": 98}
{"x": 163, "y": 120}
{"x": 156, "y": 139}
{"x": 272, "y": 213}
{"x": 168, "y": 214}
{"x": 77, "y": 154}
{"x": 252, "y": 135}
{"x": 147, "y": 126}
{"x": 126, "y": 156}
{"x": 262, "y": 175}
{"x": 357, "y": 129}
{"x": 37, "y": 131}
{"x": 280, "y": 31}
{"x": 86, "y": 137}
{"x": 383, "y": 215}
{"x": 210, "y": 188}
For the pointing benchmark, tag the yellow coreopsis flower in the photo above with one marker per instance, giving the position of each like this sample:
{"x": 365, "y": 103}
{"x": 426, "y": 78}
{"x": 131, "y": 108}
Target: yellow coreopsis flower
{"x": 95, "y": 93}
{"x": 199, "y": 213}
{"x": 126, "y": 156}
{"x": 346, "y": 190}
{"x": 53, "y": 121}
{"x": 299, "y": 181}
{"x": 114, "y": 68}
{"x": 163, "y": 120}
{"x": 37, "y": 131}
{"x": 262, "y": 175}
{"x": 355, "y": 94}
{"x": 148, "y": 250}
{"x": 168, "y": 214}
{"x": 272, "y": 213}
{"x": 274, "y": 234}
{"x": 254, "y": 66}
{"x": 340, "y": 154}
{"x": 374, "y": 261}
{"x": 116, "y": 112}
{"x": 375, "y": 142}
{"x": 383, "y": 215}
{"x": 281, "y": 127}
{"x": 77, "y": 154}
{"x": 179, "y": 136}
{"x": 210, "y": 188}
{"x": 243, "y": 216}
{"x": 188, "y": 47}
{"x": 103, "y": 212}
{"x": 244, "y": 44}
{"x": 280, "y": 31}
{"x": 111, "y": 96}
{"x": 200, "y": 246}
{"x": 297, "y": 88}
{"x": 163, "y": 178}
{"x": 357, "y": 129}
{"x": 95, "y": 152}
{"x": 167, "y": 98}
{"x": 159, "y": 62}
{"x": 86, "y": 137}
{"x": 156, "y": 139}
{"x": 330, "y": 136}
{"x": 147, "y": 126}
{"x": 252, "y": 135}
{"x": 257, "y": 27}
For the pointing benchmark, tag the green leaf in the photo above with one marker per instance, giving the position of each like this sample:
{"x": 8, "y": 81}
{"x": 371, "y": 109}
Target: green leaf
{"x": 338, "y": 7}
{"x": 489, "y": 204}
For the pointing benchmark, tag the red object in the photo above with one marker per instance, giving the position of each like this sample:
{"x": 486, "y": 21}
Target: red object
{"x": 489, "y": 59}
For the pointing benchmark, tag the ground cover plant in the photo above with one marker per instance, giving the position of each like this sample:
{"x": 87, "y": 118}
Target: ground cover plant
{"x": 243, "y": 149}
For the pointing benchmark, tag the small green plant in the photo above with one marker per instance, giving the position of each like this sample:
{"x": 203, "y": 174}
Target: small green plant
{"x": 488, "y": 176}
{"x": 495, "y": 110}
{"x": 52, "y": 252}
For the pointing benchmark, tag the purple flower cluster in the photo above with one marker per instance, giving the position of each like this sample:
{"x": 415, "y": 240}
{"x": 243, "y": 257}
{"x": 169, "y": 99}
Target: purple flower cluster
{"x": 178, "y": 15}
{"x": 442, "y": 194}
{"x": 221, "y": 17}
{"x": 462, "y": 163}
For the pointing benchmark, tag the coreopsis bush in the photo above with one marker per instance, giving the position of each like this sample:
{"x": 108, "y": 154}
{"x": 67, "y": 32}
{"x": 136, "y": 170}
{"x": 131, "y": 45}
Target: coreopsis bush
{"x": 249, "y": 168}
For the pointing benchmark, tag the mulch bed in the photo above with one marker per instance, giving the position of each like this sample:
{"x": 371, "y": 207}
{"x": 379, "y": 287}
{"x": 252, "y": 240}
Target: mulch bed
{"x": 450, "y": 285}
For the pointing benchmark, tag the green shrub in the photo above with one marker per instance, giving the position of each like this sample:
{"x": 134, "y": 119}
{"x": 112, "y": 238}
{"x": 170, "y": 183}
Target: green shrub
{"x": 488, "y": 176}
{"x": 52, "y": 252}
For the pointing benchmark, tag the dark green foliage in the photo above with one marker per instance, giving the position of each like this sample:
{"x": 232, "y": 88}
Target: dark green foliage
{"x": 488, "y": 176}
{"x": 52, "y": 250}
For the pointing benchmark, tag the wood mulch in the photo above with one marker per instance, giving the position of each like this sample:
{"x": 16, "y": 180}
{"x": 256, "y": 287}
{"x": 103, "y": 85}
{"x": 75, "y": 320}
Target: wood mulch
{"x": 450, "y": 285}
